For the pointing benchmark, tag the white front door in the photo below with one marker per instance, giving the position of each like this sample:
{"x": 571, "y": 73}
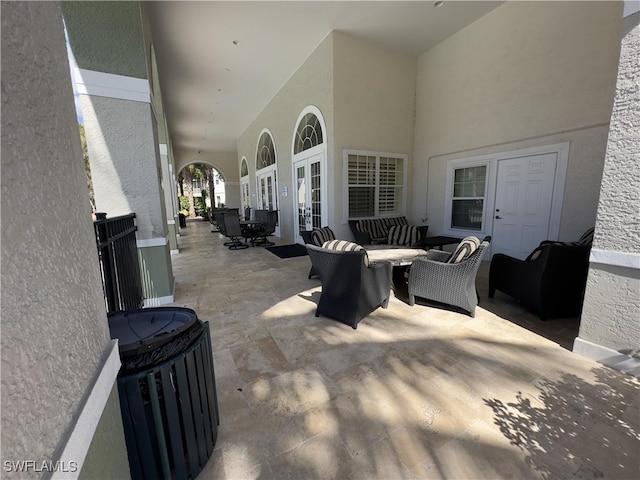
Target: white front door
{"x": 310, "y": 212}
{"x": 268, "y": 193}
{"x": 523, "y": 200}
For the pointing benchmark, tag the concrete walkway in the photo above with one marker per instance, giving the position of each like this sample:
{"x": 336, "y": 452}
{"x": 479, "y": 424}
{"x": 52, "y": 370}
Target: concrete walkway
{"x": 415, "y": 392}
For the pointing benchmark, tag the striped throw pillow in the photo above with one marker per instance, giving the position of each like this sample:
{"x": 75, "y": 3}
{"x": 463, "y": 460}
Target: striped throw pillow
{"x": 321, "y": 235}
{"x": 464, "y": 250}
{"x": 402, "y": 235}
{"x": 346, "y": 246}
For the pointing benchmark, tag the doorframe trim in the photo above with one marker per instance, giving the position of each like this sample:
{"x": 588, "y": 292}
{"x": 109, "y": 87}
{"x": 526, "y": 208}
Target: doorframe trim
{"x": 491, "y": 160}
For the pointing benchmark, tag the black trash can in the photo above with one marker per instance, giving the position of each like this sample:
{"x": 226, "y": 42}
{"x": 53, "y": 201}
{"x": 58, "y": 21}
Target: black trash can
{"x": 167, "y": 391}
{"x": 183, "y": 220}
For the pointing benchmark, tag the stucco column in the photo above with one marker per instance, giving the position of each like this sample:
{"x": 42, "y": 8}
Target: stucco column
{"x": 112, "y": 54}
{"x": 609, "y": 329}
{"x": 60, "y": 408}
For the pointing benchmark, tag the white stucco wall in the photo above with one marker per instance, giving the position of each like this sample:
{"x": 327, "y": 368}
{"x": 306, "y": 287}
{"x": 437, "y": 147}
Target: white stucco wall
{"x": 54, "y": 326}
{"x": 612, "y": 298}
{"x": 374, "y": 104}
{"x": 366, "y": 96}
{"x": 526, "y": 74}
{"x": 311, "y": 84}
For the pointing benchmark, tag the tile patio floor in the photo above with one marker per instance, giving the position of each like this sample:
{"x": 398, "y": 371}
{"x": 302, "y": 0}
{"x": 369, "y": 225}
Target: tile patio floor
{"x": 414, "y": 392}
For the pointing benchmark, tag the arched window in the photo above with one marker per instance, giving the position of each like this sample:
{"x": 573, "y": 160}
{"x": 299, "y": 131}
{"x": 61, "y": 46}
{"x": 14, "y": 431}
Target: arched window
{"x": 266, "y": 154}
{"x": 308, "y": 134}
{"x": 244, "y": 168}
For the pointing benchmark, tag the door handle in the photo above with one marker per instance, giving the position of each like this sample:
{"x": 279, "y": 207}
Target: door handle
{"x": 498, "y": 217}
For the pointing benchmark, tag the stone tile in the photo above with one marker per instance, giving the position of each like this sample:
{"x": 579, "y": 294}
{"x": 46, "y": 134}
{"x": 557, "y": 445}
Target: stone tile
{"x": 415, "y": 392}
{"x": 259, "y": 359}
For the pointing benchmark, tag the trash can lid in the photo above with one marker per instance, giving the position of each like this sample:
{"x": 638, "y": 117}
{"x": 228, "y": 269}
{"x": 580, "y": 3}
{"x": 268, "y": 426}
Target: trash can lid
{"x": 139, "y": 331}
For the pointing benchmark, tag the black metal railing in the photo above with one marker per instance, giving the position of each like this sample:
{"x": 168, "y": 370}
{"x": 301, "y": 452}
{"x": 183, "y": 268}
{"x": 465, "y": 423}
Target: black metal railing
{"x": 118, "y": 255}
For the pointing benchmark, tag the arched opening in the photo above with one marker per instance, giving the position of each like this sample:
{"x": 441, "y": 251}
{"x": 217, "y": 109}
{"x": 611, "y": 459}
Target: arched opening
{"x": 200, "y": 188}
{"x": 309, "y": 172}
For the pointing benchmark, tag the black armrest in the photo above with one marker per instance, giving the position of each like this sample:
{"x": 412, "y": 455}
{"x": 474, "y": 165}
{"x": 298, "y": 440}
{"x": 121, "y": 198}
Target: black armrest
{"x": 361, "y": 238}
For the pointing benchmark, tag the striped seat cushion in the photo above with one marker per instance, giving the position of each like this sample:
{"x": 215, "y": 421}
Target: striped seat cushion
{"x": 346, "y": 246}
{"x": 321, "y": 235}
{"x": 464, "y": 250}
{"x": 374, "y": 227}
{"x": 402, "y": 235}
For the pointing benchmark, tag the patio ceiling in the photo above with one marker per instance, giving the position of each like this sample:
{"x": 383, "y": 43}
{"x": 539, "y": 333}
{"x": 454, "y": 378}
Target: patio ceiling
{"x": 221, "y": 62}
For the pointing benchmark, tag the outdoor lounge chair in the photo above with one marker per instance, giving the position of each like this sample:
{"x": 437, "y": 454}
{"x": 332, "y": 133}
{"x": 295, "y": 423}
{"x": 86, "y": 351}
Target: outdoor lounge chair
{"x": 550, "y": 281}
{"x": 351, "y": 288}
{"x": 449, "y": 278}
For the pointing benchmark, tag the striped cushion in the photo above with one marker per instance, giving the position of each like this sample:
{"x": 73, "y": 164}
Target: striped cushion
{"x": 464, "y": 250}
{"x": 373, "y": 226}
{"x": 392, "y": 221}
{"x": 587, "y": 237}
{"x": 321, "y": 235}
{"x": 378, "y": 228}
{"x": 346, "y": 246}
{"x": 534, "y": 255}
{"x": 402, "y": 235}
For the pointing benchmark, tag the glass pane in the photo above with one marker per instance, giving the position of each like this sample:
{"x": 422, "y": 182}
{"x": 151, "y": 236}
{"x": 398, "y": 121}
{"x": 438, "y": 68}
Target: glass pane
{"x": 316, "y": 198}
{"x": 390, "y": 171}
{"x": 361, "y": 202}
{"x": 467, "y": 214}
{"x": 302, "y": 199}
{"x": 469, "y": 182}
{"x": 389, "y": 200}
{"x": 308, "y": 134}
{"x": 361, "y": 170}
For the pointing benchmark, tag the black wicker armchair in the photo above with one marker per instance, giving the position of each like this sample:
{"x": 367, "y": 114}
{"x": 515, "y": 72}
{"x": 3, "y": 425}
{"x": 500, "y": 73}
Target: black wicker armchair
{"x": 550, "y": 282}
{"x": 351, "y": 289}
{"x": 448, "y": 278}
{"x": 317, "y": 237}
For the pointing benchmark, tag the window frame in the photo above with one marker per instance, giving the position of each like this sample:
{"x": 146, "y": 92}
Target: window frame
{"x": 487, "y": 198}
{"x": 378, "y": 155}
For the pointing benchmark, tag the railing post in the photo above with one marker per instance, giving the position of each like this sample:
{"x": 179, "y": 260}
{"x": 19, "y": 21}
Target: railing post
{"x": 106, "y": 259}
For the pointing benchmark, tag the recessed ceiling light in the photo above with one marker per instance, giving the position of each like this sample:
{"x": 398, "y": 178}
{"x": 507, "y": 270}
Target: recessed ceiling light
{"x": 236, "y": 42}
{"x": 438, "y": 3}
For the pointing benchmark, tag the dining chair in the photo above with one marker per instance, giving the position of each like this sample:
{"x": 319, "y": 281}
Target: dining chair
{"x": 233, "y": 232}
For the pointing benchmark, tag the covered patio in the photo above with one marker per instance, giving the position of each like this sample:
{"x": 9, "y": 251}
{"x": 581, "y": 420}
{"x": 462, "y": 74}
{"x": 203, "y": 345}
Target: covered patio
{"x": 414, "y": 392}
